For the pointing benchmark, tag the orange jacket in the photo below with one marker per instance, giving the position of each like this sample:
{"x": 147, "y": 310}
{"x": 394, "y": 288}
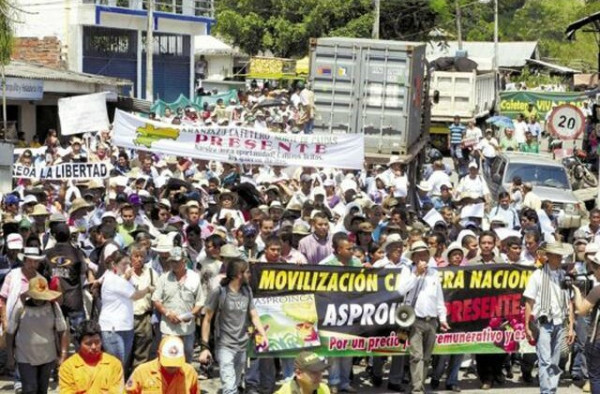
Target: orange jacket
{"x": 76, "y": 377}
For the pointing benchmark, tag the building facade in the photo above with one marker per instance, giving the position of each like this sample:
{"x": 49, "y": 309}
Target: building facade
{"x": 108, "y": 37}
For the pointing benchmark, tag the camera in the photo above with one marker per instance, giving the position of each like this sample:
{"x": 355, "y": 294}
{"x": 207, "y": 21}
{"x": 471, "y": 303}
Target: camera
{"x": 581, "y": 281}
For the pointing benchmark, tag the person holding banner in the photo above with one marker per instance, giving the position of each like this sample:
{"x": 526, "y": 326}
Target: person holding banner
{"x": 422, "y": 288}
{"x": 232, "y": 307}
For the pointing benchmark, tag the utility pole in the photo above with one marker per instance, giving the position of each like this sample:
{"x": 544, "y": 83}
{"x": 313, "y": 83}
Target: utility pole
{"x": 375, "y": 33}
{"x": 458, "y": 25}
{"x": 149, "y": 52}
{"x": 496, "y": 65}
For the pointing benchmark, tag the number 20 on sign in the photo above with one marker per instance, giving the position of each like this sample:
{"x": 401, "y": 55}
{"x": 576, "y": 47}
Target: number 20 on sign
{"x": 566, "y": 122}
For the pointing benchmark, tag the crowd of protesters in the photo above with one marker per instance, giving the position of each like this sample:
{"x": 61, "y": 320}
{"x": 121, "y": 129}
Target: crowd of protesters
{"x": 111, "y": 285}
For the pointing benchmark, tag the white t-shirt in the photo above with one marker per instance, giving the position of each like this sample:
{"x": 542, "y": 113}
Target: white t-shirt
{"x": 117, "y": 306}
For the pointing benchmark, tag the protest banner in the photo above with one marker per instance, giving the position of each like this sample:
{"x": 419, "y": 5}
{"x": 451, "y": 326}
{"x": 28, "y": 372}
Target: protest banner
{"x": 346, "y": 311}
{"x": 235, "y": 144}
{"x": 80, "y": 114}
{"x": 512, "y": 103}
{"x": 63, "y": 171}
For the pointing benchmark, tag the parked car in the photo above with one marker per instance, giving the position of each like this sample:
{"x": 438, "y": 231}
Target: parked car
{"x": 549, "y": 179}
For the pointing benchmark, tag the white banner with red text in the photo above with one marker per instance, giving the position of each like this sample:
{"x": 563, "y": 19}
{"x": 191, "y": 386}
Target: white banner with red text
{"x": 235, "y": 144}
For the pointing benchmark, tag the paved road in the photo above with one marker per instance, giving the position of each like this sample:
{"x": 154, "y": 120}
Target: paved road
{"x": 363, "y": 385}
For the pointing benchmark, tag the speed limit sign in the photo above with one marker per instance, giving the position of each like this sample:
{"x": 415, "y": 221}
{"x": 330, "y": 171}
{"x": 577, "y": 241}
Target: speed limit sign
{"x": 566, "y": 122}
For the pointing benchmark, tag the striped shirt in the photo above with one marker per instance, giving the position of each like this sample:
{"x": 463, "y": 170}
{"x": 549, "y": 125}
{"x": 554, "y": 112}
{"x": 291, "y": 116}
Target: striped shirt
{"x": 456, "y": 133}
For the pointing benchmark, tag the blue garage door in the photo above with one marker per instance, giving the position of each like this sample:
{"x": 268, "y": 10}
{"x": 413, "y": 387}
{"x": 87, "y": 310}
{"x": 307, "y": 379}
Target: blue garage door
{"x": 110, "y": 52}
{"x": 171, "y": 66}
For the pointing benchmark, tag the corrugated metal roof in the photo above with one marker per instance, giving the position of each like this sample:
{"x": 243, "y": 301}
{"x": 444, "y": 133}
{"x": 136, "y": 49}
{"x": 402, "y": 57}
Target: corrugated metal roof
{"x": 510, "y": 54}
{"x": 552, "y": 66}
{"x": 34, "y": 71}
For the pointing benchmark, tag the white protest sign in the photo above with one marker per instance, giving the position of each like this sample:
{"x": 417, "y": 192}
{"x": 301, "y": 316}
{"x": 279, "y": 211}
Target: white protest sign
{"x": 235, "y": 144}
{"x": 566, "y": 122}
{"x": 432, "y": 217}
{"x": 63, "y": 171}
{"x": 80, "y": 114}
{"x": 472, "y": 211}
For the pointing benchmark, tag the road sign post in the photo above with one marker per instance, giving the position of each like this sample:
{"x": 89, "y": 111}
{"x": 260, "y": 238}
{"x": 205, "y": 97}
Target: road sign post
{"x": 566, "y": 122}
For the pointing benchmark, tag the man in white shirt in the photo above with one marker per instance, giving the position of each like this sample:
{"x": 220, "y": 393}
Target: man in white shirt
{"x": 423, "y": 291}
{"x": 473, "y": 183}
{"x": 592, "y": 230}
{"x": 550, "y": 304}
{"x": 438, "y": 177}
{"x": 520, "y": 129}
{"x": 393, "y": 259}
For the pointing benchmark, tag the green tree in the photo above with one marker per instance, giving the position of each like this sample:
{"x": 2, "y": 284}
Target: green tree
{"x": 7, "y": 15}
{"x": 285, "y": 26}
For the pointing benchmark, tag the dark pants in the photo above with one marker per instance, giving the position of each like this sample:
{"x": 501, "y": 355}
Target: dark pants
{"x": 422, "y": 340}
{"x": 592, "y": 352}
{"x": 36, "y": 378}
{"x": 142, "y": 339}
{"x": 489, "y": 366}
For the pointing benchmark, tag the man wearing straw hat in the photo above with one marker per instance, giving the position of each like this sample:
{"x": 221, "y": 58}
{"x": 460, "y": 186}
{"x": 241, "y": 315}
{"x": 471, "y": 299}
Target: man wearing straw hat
{"x": 546, "y": 299}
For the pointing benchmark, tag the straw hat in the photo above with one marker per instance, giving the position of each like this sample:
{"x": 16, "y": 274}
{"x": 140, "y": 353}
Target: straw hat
{"x": 77, "y": 204}
{"x": 556, "y": 248}
{"x": 32, "y": 254}
{"x": 40, "y": 210}
{"x": 230, "y": 251}
{"x": 163, "y": 244}
{"x": 38, "y": 290}
{"x": 227, "y": 193}
{"x": 425, "y": 186}
{"x": 301, "y": 229}
{"x": 451, "y": 248}
{"x": 416, "y": 247}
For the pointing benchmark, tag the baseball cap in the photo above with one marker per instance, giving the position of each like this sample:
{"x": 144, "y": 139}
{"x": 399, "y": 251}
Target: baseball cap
{"x": 171, "y": 353}
{"x": 249, "y": 230}
{"x": 308, "y": 361}
{"x": 14, "y": 241}
{"x": 11, "y": 199}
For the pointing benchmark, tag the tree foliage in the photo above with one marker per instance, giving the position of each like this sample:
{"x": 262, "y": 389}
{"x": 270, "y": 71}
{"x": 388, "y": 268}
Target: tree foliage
{"x": 284, "y": 27}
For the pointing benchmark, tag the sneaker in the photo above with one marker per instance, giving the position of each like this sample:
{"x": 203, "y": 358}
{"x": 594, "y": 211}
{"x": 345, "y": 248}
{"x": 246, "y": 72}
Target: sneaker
{"x": 586, "y": 387}
{"x": 454, "y": 388}
{"x": 486, "y": 386}
{"x": 348, "y": 389}
{"x": 334, "y": 390}
{"x": 435, "y": 383}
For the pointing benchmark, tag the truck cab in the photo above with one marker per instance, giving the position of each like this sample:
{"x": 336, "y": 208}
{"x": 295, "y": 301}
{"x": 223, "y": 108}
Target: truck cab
{"x": 549, "y": 179}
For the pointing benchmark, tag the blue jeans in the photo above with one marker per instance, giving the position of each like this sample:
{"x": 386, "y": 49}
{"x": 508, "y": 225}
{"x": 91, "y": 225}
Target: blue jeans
{"x": 592, "y": 352}
{"x": 36, "y": 378}
{"x": 548, "y": 352}
{"x": 231, "y": 366}
{"x": 454, "y": 362}
{"x": 119, "y": 344}
{"x": 579, "y": 369}
{"x": 287, "y": 368}
{"x": 188, "y": 347}
{"x": 339, "y": 372}
{"x": 261, "y": 375}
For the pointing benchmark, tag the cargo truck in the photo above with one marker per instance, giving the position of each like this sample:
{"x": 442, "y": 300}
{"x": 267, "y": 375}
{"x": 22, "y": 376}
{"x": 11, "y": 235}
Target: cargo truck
{"x": 470, "y": 95}
{"x": 375, "y": 87}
